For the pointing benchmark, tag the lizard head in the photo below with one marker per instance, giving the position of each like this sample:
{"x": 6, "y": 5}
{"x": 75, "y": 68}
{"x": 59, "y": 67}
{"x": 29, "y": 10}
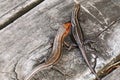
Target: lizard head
{"x": 67, "y": 27}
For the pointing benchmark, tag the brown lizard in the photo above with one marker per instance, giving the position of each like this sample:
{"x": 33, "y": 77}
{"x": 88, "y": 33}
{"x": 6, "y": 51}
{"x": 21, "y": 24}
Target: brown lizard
{"x": 56, "y": 51}
{"x": 78, "y": 35}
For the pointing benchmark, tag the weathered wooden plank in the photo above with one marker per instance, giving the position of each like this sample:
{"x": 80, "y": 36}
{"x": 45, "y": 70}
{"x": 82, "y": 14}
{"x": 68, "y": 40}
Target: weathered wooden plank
{"x": 31, "y": 34}
{"x": 11, "y": 10}
{"x": 6, "y": 5}
{"x": 28, "y": 39}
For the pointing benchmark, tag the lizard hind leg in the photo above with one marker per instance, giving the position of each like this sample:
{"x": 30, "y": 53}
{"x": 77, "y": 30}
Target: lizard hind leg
{"x": 70, "y": 46}
{"x": 61, "y": 72}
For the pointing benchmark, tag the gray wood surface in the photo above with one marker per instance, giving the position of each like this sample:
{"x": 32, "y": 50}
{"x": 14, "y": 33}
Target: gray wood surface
{"x": 6, "y": 5}
{"x": 11, "y": 10}
{"x": 28, "y": 39}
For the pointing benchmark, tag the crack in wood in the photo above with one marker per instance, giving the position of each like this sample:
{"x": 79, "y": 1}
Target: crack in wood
{"x": 109, "y": 26}
{"x": 19, "y": 13}
{"x": 14, "y": 69}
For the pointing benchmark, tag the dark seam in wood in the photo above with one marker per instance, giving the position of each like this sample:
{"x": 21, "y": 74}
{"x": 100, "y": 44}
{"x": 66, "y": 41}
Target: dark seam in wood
{"x": 20, "y": 13}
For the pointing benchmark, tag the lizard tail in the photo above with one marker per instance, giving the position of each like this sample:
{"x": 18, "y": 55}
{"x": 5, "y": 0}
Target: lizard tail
{"x": 36, "y": 70}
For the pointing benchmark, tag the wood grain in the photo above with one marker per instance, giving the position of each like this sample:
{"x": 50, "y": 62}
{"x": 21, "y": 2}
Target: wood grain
{"x": 27, "y": 39}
